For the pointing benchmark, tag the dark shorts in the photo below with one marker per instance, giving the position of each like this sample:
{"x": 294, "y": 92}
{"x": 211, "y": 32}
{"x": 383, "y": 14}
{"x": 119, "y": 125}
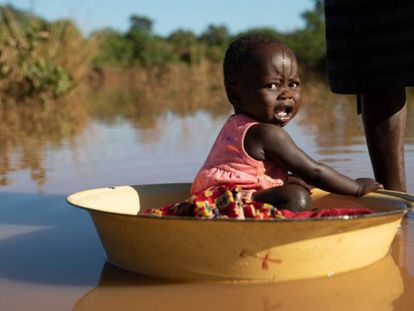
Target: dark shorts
{"x": 370, "y": 44}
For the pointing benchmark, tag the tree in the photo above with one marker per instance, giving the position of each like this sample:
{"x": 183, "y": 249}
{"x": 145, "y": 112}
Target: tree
{"x": 114, "y": 48}
{"x": 147, "y": 48}
{"x": 266, "y": 30}
{"x": 309, "y": 43}
{"x": 184, "y": 43}
{"x": 216, "y": 39}
{"x": 216, "y": 35}
{"x": 141, "y": 23}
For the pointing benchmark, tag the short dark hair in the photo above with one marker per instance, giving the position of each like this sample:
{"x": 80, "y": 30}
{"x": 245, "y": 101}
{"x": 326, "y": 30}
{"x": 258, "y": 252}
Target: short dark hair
{"x": 241, "y": 50}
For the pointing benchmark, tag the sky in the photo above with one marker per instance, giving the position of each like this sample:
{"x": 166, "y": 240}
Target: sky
{"x": 170, "y": 15}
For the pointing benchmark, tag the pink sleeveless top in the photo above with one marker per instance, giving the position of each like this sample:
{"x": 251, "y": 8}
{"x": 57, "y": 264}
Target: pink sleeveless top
{"x": 229, "y": 163}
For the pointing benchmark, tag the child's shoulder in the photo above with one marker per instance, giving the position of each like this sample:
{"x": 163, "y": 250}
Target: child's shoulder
{"x": 265, "y": 131}
{"x": 263, "y": 137}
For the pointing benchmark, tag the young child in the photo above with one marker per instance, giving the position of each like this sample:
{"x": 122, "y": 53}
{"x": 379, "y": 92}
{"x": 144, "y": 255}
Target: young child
{"x": 253, "y": 151}
{"x": 246, "y": 172}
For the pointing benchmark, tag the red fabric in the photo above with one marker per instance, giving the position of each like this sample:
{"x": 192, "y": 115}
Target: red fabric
{"x": 226, "y": 201}
{"x": 331, "y": 212}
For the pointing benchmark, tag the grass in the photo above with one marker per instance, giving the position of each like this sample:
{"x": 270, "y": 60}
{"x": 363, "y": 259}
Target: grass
{"x": 41, "y": 61}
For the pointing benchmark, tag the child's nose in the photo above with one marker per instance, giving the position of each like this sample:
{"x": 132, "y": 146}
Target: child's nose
{"x": 285, "y": 94}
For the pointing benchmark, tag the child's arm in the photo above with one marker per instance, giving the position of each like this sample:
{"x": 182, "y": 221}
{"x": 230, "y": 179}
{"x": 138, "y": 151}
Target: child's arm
{"x": 270, "y": 142}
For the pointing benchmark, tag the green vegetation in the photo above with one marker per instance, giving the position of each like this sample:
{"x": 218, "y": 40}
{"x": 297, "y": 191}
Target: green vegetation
{"x": 309, "y": 43}
{"x": 141, "y": 46}
{"x": 40, "y": 60}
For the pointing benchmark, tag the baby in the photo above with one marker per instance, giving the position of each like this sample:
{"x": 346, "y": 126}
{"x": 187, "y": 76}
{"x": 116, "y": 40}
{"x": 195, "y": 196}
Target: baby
{"x": 252, "y": 150}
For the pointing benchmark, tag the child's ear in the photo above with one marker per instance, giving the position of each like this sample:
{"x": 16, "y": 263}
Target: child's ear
{"x": 234, "y": 97}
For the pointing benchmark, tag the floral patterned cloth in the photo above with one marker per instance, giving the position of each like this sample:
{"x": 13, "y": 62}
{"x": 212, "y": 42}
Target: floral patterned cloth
{"x": 227, "y": 201}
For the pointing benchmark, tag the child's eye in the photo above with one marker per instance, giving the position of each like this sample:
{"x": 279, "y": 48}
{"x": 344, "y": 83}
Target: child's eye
{"x": 293, "y": 85}
{"x": 273, "y": 86}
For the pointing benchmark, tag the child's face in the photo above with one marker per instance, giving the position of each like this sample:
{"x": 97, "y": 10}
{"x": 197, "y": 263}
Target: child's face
{"x": 268, "y": 87}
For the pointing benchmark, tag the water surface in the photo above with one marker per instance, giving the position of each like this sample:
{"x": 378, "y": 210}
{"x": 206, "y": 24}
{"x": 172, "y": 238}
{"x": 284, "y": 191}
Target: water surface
{"x": 51, "y": 257}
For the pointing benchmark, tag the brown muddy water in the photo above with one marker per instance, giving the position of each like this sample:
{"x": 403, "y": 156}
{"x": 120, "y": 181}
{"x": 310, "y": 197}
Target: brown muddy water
{"x": 51, "y": 257}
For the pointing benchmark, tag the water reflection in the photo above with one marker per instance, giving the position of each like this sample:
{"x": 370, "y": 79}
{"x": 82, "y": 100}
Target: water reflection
{"x": 373, "y": 288}
{"x": 384, "y": 285}
{"x": 151, "y": 105}
{"x": 403, "y": 252}
{"x": 141, "y": 97}
{"x": 333, "y": 119}
{"x": 28, "y": 132}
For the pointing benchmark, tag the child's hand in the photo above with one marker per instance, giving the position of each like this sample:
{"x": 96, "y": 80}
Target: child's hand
{"x": 300, "y": 182}
{"x": 366, "y": 185}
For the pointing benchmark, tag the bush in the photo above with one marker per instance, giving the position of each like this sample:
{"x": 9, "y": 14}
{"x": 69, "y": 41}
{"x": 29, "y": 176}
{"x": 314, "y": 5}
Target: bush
{"x": 40, "y": 60}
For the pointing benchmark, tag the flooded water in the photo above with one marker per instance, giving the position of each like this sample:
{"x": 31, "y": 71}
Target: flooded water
{"x": 51, "y": 257}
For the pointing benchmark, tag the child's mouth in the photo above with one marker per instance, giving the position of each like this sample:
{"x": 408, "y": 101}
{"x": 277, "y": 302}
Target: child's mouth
{"x": 283, "y": 113}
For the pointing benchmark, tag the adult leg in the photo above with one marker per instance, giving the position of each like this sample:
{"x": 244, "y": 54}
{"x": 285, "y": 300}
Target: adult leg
{"x": 384, "y": 117}
{"x": 291, "y": 197}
